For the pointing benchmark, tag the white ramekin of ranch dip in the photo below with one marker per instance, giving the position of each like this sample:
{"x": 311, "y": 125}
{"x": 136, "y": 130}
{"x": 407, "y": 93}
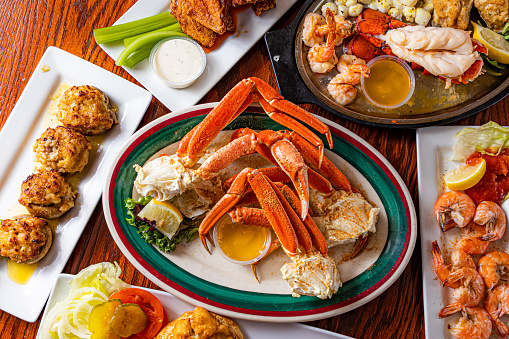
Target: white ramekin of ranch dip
{"x": 178, "y": 61}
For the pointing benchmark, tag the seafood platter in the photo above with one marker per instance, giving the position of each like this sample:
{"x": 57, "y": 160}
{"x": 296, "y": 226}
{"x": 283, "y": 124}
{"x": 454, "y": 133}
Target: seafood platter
{"x": 463, "y": 240}
{"x": 363, "y": 205}
{"x": 442, "y": 92}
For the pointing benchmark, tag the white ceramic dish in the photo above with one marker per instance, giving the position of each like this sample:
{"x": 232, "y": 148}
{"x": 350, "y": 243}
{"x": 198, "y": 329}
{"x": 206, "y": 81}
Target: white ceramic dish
{"x": 250, "y": 29}
{"x": 206, "y": 280}
{"x": 24, "y": 125}
{"x": 434, "y": 154}
{"x": 175, "y": 307}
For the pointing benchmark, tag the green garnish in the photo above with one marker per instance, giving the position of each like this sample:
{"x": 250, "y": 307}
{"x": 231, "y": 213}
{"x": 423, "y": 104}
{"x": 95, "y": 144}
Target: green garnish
{"x": 143, "y": 45}
{"x": 122, "y": 31}
{"x": 146, "y": 228}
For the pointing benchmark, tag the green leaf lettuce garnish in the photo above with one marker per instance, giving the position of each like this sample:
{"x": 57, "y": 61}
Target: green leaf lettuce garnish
{"x": 490, "y": 138}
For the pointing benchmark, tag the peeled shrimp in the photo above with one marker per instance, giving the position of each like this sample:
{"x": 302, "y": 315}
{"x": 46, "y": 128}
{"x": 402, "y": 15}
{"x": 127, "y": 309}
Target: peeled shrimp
{"x": 496, "y": 304}
{"x": 474, "y": 324}
{"x": 454, "y": 209}
{"x": 493, "y": 267}
{"x": 323, "y": 51}
{"x": 493, "y": 217}
{"x": 470, "y": 292}
{"x": 343, "y": 29}
{"x": 459, "y": 259}
{"x": 470, "y": 241}
{"x": 309, "y": 34}
{"x": 320, "y": 66}
{"x": 341, "y": 87}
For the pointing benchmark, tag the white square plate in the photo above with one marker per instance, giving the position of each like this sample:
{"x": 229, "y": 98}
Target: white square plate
{"x": 434, "y": 159}
{"x": 175, "y": 307}
{"x": 24, "y": 125}
{"x": 250, "y": 28}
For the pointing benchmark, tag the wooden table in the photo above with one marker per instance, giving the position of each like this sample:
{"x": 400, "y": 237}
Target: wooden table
{"x": 28, "y": 27}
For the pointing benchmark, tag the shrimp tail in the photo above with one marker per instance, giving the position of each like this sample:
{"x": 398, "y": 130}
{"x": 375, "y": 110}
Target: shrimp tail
{"x": 502, "y": 329}
{"x": 450, "y": 309}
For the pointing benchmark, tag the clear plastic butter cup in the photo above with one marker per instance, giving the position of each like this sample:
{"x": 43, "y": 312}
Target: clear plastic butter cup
{"x": 262, "y": 253}
{"x": 407, "y": 70}
{"x": 170, "y": 67}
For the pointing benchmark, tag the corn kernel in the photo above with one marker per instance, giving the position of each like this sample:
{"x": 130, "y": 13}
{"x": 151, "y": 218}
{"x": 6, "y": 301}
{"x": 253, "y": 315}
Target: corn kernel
{"x": 340, "y": 2}
{"x": 428, "y": 6}
{"x": 373, "y": 5}
{"x": 398, "y": 4}
{"x": 383, "y": 5}
{"x": 350, "y": 3}
{"x": 409, "y": 3}
{"x": 364, "y": 2}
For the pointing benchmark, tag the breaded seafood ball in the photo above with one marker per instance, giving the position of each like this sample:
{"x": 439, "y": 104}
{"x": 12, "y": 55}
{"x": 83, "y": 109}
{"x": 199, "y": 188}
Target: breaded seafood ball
{"x": 25, "y": 239}
{"x": 86, "y": 110}
{"x": 62, "y": 149}
{"x": 46, "y": 194}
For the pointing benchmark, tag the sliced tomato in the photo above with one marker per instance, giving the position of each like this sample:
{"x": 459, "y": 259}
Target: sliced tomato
{"x": 149, "y": 304}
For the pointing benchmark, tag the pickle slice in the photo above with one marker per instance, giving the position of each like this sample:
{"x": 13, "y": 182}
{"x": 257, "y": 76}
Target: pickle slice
{"x": 100, "y": 316}
{"x": 129, "y": 319}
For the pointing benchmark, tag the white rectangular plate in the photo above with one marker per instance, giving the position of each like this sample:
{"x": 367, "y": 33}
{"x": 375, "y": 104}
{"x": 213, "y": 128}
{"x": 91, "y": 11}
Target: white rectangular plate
{"x": 175, "y": 307}
{"x": 250, "y": 28}
{"x": 434, "y": 159}
{"x": 23, "y": 127}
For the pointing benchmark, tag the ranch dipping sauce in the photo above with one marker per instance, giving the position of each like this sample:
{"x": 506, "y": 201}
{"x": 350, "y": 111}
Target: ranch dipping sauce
{"x": 178, "y": 61}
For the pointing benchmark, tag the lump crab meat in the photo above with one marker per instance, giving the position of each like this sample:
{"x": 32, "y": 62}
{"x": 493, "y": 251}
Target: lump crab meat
{"x": 343, "y": 217}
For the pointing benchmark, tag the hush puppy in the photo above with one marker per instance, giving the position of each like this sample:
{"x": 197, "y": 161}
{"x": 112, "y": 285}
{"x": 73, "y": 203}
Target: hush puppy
{"x": 46, "y": 194}
{"x": 86, "y": 110}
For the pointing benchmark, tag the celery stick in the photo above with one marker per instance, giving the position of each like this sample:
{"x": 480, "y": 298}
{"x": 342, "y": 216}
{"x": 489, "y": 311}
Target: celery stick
{"x": 145, "y": 43}
{"x": 175, "y": 28}
{"x": 118, "y": 32}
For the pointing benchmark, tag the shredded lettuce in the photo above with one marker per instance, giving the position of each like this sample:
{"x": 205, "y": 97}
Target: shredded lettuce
{"x": 146, "y": 228}
{"x": 91, "y": 286}
{"x": 490, "y": 138}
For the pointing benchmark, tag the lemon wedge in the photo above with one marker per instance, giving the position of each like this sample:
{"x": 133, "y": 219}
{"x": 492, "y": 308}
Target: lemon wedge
{"x": 498, "y": 47}
{"x": 465, "y": 176}
{"x": 165, "y": 214}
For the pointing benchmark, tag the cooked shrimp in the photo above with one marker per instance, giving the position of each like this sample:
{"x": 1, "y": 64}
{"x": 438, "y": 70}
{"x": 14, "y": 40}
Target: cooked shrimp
{"x": 493, "y": 218}
{"x": 496, "y": 304}
{"x": 343, "y": 29}
{"x": 322, "y": 52}
{"x": 470, "y": 242}
{"x": 493, "y": 267}
{"x": 454, "y": 209}
{"x": 320, "y": 66}
{"x": 470, "y": 292}
{"x": 474, "y": 324}
{"x": 309, "y": 34}
{"x": 341, "y": 87}
{"x": 459, "y": 259}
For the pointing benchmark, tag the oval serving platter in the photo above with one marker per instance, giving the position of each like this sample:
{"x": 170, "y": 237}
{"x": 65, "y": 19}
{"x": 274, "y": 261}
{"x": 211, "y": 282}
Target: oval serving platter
{"x": 194, "y": 276}
{"x": 431, "y": 103}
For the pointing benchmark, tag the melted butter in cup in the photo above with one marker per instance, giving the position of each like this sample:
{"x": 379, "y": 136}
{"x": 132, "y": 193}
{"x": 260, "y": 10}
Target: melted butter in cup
{"x": 240, "y": 244}
{"x": 178, "y": 61}
{"x": 391, "y": 83}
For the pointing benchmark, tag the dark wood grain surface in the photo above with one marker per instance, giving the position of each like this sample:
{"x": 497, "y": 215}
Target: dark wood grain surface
{"x": 28, "y": 27}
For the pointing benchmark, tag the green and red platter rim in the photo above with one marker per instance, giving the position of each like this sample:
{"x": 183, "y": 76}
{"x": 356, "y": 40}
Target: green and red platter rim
{"x": 236, "y": 303}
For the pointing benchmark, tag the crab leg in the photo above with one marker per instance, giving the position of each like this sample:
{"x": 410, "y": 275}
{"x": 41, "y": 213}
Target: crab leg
{"x": 273, "y": 97}
{"x": 273, "y": 208}
{"x": 249, "y": 216}
{"x": 192, "y": 147}
{"x": 328, "y": 169}
{"x": 228, "y": 201}
{"x": 317, "y": 237}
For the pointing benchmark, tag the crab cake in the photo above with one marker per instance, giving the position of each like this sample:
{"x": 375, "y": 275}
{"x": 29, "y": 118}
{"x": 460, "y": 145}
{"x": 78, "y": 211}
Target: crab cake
{"x": 62, "y": 149}
{"x": 25, "y": 239}
{"x": 86, "y": 110}
{"x": 46, "y": 194}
